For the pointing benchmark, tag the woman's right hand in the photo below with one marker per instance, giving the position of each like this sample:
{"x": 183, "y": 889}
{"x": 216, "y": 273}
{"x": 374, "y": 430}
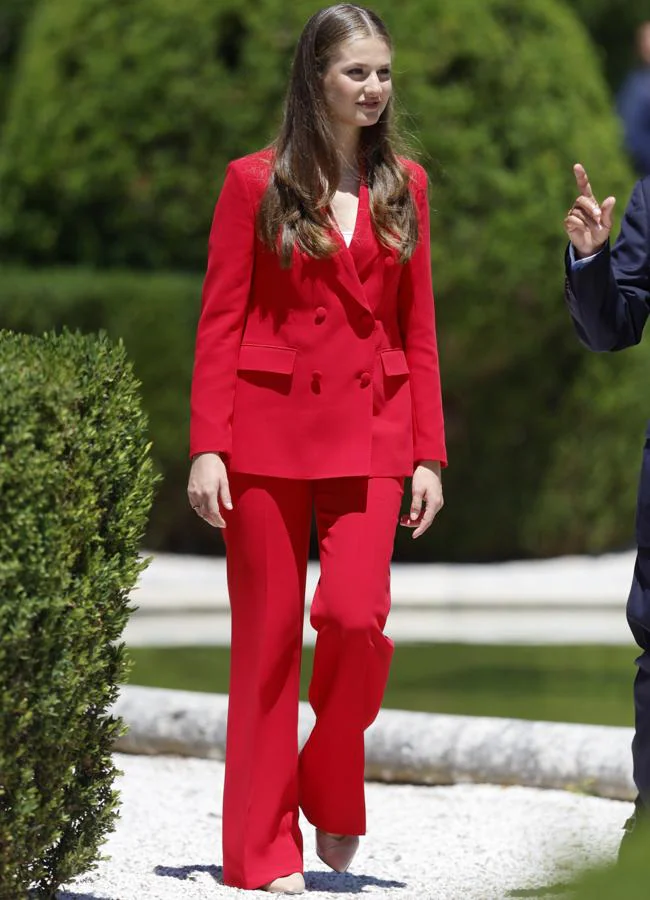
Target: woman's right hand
{"x": 588, "y": 223}
{"x": 208, "y": 484}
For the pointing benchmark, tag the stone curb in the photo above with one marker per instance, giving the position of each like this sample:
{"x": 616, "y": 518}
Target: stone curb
{"x": 407, "y": 747}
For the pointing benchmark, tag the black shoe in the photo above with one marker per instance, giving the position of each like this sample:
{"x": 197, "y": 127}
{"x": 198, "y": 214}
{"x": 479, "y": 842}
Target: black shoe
{"x": 636, "y": 828}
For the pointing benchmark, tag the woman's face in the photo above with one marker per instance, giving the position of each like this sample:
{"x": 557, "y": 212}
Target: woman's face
{"x": 357, "y": 84}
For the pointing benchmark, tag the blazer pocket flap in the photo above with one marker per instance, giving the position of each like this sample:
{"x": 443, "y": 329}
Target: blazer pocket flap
{"x": 394, "y": 362}
{"x": 262, "y": 358}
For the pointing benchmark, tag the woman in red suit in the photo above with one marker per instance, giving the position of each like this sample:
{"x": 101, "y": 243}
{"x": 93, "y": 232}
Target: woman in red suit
{"x": 315, "y": 387}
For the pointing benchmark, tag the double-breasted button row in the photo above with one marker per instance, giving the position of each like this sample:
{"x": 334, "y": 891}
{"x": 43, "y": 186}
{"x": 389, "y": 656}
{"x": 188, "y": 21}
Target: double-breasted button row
{"x": 364, "y": 378}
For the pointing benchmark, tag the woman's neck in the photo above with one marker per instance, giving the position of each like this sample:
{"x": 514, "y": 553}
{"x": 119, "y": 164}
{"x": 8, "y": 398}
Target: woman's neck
{"x": 347, "y": 144}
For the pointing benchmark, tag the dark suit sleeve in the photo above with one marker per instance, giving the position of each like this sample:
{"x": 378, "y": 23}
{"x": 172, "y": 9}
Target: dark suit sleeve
{"x": 609, "y": 297}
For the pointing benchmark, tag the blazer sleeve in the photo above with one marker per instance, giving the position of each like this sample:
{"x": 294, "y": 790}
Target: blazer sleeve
{"x": 224, "y": 302}
{"x": 418, "y": 330}
{"x": 608, "y": 297}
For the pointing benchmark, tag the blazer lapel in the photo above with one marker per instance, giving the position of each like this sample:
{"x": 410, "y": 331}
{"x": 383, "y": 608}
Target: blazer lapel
{"x": 350, "y": 262}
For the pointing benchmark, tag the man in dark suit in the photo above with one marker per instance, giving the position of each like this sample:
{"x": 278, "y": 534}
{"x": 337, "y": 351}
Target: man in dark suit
{"x": 633, "y": 103}
{"x": 608, "y": 295}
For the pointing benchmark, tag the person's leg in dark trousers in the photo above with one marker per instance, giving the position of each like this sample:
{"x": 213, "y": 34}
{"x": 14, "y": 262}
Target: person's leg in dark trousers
{"x": 267, "y": 546}
{"x": 638, "y": 617}
{"x": 356, "y": 520}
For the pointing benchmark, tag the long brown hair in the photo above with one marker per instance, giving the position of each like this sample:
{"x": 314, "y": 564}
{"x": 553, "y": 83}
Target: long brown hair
{"x": 306, "y": 168}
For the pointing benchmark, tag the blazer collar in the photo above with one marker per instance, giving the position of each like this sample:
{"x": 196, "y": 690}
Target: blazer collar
{"x": 350, "y": 261}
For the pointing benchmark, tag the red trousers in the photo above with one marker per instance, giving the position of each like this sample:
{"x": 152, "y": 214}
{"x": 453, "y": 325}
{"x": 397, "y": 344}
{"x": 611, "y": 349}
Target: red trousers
{"x": 267, "y": 545}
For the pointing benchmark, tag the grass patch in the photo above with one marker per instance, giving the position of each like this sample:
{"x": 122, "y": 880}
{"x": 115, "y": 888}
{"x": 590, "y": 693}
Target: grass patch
{"x": 590, "y": 684}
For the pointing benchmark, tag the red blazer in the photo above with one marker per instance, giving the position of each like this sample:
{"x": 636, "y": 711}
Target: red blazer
{"x": 326, "y": 369}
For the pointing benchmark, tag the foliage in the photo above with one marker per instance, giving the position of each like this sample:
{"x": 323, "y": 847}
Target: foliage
{"x": 612, "y": 26}
{"x": 495, "y": 102}
{"x": 123, "y": 119}
{"x": 155, "y": 316}
{"x": 14, "y": 17}
{"x": 626, "y": 880}
{"x": 75, "y": 490}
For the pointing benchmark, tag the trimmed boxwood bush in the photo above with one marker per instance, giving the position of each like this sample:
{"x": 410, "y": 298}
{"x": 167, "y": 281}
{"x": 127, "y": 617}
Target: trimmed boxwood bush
{"x": 123, "y": 120}
{"x": 75, "y": 490}
{"x": 155, "y": 316}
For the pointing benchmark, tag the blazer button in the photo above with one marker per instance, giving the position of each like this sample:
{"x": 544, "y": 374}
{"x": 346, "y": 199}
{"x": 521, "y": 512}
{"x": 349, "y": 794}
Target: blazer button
{"x": 364, "y": 379}
{"x": 317, "y": 375}
{"x": 321, "y": 314}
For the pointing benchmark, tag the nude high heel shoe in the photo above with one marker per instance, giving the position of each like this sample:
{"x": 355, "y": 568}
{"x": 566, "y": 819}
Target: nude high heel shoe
{"x": 287, "y": 884}
{"x": 336, "y": 851}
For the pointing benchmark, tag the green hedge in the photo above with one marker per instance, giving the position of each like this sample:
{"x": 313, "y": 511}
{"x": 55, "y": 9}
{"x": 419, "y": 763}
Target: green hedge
{"x": 587, "y": 489}
{"x": 504, "y": 118}
{"x": 124, "y": 116}
{"x": 75, "y": 489}
{"x": 155, "y": 316}
{"x": 120, "y": 128}
{"x": 14, "y": 16}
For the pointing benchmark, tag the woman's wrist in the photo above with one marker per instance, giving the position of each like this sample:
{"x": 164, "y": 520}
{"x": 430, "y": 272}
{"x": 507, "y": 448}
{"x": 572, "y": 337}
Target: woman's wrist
{"x": 433, "y": 464}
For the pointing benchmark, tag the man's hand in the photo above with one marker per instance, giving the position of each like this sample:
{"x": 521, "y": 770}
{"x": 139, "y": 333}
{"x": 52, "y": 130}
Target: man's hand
{"x": 426, "y": 500}
{"x": 208, "y": 484}
{"x": 588, "y": 223}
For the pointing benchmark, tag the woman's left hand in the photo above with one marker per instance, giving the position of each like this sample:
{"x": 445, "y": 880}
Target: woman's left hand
{"x": 426, "y": 500}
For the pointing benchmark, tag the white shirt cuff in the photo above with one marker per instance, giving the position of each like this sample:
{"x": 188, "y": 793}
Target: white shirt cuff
{"x": 580, "y": 263}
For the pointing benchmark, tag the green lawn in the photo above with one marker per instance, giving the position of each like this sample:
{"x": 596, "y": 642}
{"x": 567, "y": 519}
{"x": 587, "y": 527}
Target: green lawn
{"x": 590, "y": 684}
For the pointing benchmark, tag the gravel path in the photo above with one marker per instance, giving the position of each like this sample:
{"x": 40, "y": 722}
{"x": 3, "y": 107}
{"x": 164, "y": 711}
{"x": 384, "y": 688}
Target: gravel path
{"x": 464, "y": 842}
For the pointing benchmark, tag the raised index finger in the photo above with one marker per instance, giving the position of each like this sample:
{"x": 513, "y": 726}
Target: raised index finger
{"x": 583, "y": 182}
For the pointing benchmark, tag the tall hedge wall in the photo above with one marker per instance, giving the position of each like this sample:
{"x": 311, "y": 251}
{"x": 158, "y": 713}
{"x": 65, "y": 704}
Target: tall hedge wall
{"x": 75, "y": 491}
{"x": 123, "y": 120}
{"x": 14, "y": 16}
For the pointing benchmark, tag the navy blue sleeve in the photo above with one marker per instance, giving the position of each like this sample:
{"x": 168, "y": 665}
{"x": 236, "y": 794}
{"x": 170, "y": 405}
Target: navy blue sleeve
{"x": 608, "y": 297}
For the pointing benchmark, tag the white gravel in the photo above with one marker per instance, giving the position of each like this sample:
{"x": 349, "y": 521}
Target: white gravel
{"x": 465, "y": 842}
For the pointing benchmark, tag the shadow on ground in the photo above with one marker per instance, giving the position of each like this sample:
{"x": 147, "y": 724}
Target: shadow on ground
{"x": 548, "y": 892}
{"x": 330, "y": 882}
{"x": 73, "y": 895}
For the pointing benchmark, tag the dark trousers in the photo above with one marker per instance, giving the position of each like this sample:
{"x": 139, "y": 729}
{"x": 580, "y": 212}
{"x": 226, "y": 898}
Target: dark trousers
{"x": 638, "y": 617}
